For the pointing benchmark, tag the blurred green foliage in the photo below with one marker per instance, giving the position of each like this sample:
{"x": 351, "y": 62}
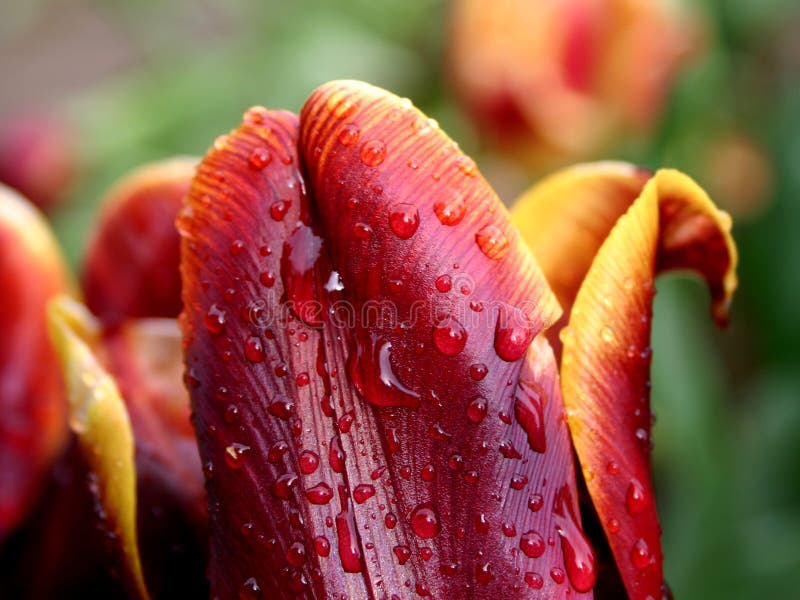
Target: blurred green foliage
{"x": 727, "y": 448}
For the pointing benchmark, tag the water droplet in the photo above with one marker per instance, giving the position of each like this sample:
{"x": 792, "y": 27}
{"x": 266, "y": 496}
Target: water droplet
{"x": 349, "y": 552}
{"x": 449, "y": 569}
{"x": 428, "y": 472}
{"x": 348, "y": 135}
{"x": 450, "y": 211}
{"x": 283, "y": 486}
{"x": 508, "y": 450}
{"x": 336, "y": 455}
{"x": 612, "y": 468}
{"x": 250, "y": 590}
{"x": 579, "y": 557}
{"x": 322, "y": 546}
{"x": 613, "y": 525}
{"x": 532, "y": 544}
{"x": 444, "y": 283}
{"x": 518, "y": 482}
{"x": 483, "y": 573}
{"x": 529, "y": 410}
{"x": 276, "y": 451}
{"x": 236, "y": 247}
{"x": 320, "y": 493}
{"x": 309, "y": 461}
{"x": 481, "y": 524}
{"x": 363, "y": 492}
{"x": 296, "y": 555}
{"x": 513, "y": 334}
{"x": 235, "y": 455}
{"x": 640, "y": 555}
{"x": 492, "y": 242}
{"x": 636, "y": 498}
{"x": 425, "y": 521}
{"x": 267, "y": 279}
{"x": 301, "y": 250}
{"x": 455, "y": 462}
{"x": 509, "y": 530}
{"x": 373, "y": 153}
{"x": 259, "y": 158}
{"x": 449, "y": 336}
{"x": 557, "y": 575}
{"x": 476, "y": 409}
{"x": 404, "y": 220}
{"x": 279, "y": 209}
{"x": 466, "y": 165}
{"x": 534, "y": 580}
{"x": 281, "y": 407}
{"x": 345, "y": 422}
{"x": 362, "y": 231}
{"x": 535, "y": 502}
{"x": 437, "y": 432}
{"x": 215, "y": 320}
{"x": 478, "y": 371}
{"x": 403, "y": 553}
{"x": 392, "y": 440}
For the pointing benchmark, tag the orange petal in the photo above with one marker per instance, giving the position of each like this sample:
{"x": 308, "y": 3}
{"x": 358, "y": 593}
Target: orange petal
{"x": 99, "y": 419}
{"x": 606, "y": 355}
{"x": 131, "y": 263}
{"x": 33, "y": 425}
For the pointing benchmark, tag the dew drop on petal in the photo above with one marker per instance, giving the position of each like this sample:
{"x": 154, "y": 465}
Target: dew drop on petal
{"x": 259, "y": 158}
{"x": 425, "y": 521}
{"x": 640, "y": 555}
{"x": 449, "y": 336}
{"x": 348, "y": 135}
{"x": 320, "y": 493}
{"x": 363, "y": 492}
{"x": 404, "y": 220}
{"x": 636, "y": 498}
{"x": 492, "y": 242}
{"x": 450, "y": 211}
{"x": 532, "y": 544}
{"x": 373, "y": 153}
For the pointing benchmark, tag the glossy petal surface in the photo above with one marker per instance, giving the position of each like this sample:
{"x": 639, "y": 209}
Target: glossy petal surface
{"x": 131, "y": 263}
{"x": 374, "y": 446}
{"x": 606, "y": 354}
{"x": 33, "y": 424}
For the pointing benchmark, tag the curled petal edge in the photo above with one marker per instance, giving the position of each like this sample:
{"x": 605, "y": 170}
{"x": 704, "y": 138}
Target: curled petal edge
{"x": 99, "y": 419}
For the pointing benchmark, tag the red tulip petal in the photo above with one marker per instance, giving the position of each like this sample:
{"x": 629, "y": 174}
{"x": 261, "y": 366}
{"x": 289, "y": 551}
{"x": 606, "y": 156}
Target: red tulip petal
{"x": 33, "y": 423}
{"x": 606, "y": 354}
{"x": 416, "y": 233}
{"x": 281, "y": 512}
{"x": 131, "y": 264}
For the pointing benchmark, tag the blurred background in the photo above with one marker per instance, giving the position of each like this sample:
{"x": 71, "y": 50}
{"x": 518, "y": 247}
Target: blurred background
{"x": 91, "y": 89}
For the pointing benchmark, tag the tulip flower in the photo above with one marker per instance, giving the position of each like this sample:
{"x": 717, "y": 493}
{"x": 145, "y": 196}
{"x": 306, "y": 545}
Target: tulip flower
{"x": 377, "y": 403}
{"x": 553, "y": 80}
{"x": 129, "y": 351}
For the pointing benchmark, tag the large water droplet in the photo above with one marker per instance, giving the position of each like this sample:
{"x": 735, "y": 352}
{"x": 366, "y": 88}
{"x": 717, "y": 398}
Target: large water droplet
{"x": 296, "y": 555}
{"x": 336, "y": 455}
{"x": 309, "y": 461}
{"x": 425, "y": 521}
{"x": 513, "y": 333}
{"x": 236, "y": 454}
{"x": 492, "y": 242}
{"x": 322, "y": 545}
{"x": 579, "y": 557}
{"x": 349, "y": 551}
{"x": 283, "y": 486}
{"x": 363, "y": 492}
{"x": 532, "y": 544}
{"x": 371, "y": 371}
{"x": 320, "y": 493}
{"x": 404, "y": 220}
{"x": 449, "y": 336}
{"x": 253, "y": 350}
{"x": 476, "y": 409}
{"x": 529, "y": 410}
{"x": 450, "y": 211}
{"x": 300, "y": 254}
{"x": 259, "y": 158}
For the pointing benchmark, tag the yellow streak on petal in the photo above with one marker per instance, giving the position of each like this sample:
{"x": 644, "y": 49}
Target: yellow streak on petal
{"x": 100, "y": 421}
